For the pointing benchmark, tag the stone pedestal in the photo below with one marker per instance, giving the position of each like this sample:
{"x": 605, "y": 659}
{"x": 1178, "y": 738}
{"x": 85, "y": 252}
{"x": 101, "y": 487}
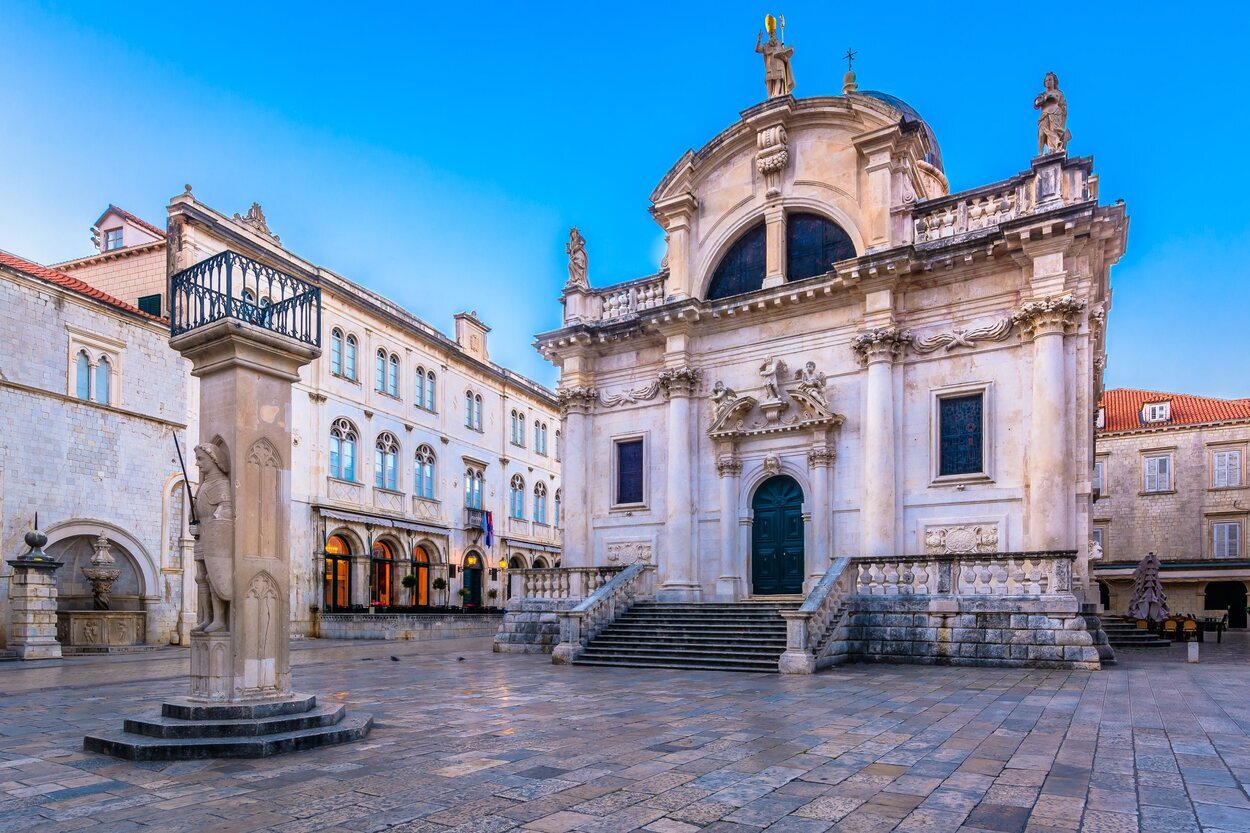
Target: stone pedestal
{"x": 32, "y": 603}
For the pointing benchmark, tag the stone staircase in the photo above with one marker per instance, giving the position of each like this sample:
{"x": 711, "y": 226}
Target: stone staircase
{"x": 1123, "y": 633}
{"x": 746, "y": 636}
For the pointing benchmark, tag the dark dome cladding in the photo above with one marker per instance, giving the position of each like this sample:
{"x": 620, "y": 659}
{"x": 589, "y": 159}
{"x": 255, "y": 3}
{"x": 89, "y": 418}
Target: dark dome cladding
{"x": 934, "y": 156}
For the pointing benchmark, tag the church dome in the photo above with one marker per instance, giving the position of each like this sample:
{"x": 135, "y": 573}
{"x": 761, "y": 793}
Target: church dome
{"x": 911, "y": 117}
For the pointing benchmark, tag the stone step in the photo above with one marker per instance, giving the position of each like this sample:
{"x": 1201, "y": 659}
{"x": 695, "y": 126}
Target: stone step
{"x": 134, "y": 747}
{"x": 776, "y": 624}
{"x": 729, "y": 641}
{"x": 684, "y": 651}
{"x": 689, "y": 665}
{"x": 160, "y": 726}
{"x": 643, "y": 631}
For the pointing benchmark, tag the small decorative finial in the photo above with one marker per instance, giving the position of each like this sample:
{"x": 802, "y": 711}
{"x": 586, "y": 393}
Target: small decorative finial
{"x": 850, "y": 58}
{"x": 187, "y": 188}
{"x": 849, "y": 84}
{"x": 36, "y": 540}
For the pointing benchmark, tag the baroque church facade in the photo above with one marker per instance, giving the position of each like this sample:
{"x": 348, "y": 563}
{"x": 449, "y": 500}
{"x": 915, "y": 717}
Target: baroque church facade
{"x": 838, "y": 357}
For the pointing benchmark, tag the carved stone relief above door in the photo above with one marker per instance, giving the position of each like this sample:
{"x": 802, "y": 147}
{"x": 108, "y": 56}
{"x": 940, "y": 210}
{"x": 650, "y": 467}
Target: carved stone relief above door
{"x": 961, "y": 539}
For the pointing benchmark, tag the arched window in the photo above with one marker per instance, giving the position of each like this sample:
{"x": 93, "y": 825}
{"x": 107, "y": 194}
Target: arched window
{"x": 419, "y": 391}
{"x": 477, "y": 411}
{"x": 421, "y": 569}
{"x": 349, "y": 358}
{"x": 540, "y": 437}
{"x": 343, "y": 450}
{"x": 518, "y": 429}
{"x": 382, "y": 575}
{"x": 472, "y": 410}
{"x": 813, "y": 245}
{"x": 336, "y": 351}
{"x": 540, "y": 503}
{"x": 379, "y": 371}
{"x": 103, "y": 379}
{"x": 386, "y": 462}
{"x": 392, "y": 376}
{"x": 473, "y": 483}
{"x": 742, "y": 268}
{"x": 430, "y": 401}
{"x": 557, "y": 445}
{"x": 82, "y": 376}
{"x": 559, "y": 499}
{"x": 337, "y": 590}
{"x": 423, "y": 473}
{"x": 516, "y": 497}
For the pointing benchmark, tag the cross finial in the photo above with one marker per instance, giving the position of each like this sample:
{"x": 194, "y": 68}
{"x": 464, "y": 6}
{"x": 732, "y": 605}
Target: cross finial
{"x": 850, "y": 58}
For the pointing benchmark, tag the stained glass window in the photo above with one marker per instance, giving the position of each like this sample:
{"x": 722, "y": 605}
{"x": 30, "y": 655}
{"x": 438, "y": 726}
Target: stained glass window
{"x": 813, "y": 245}
{"x": 742, "y": 268}
{"x": 961, "y": 430}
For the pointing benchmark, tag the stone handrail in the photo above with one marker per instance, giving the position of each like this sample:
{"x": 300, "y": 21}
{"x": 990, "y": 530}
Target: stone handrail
{"x": 971, "y": 574}
{"x": 631, "y": 298}
{"x": 559, "y": 582}
{"x": 807, "y": 627}
{"x": 581, "y": 624}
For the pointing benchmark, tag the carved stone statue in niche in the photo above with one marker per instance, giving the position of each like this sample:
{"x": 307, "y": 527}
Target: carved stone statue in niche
{"x": 578, "y": 261}
{"x": 774, "y": 373}
{"x": 214, "y": 544}
{"x": 811, "y": 381}
{"x": 1052, "y": 124}
{"x": 778, "y": 74}
{"x": 722, "y": 396}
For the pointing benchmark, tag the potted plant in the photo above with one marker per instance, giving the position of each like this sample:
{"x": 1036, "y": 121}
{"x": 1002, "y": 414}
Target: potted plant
{"x": 439, "y": 584}
{"x": 465, "y": 593}
{"x": 410, "y": 581}
{"x": 492, "y": 594}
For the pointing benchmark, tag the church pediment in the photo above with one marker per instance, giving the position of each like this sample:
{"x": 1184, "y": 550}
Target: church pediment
{"x": 786, "y": 404}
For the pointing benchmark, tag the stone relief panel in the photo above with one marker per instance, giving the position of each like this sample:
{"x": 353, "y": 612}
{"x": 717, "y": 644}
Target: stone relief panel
{"x": 786, "y": 401}
{"x": 262, "y": 473}
{"x": 625, "y": 553}
{"x": 262, "y": 612}
{"x": 962, "y": 539}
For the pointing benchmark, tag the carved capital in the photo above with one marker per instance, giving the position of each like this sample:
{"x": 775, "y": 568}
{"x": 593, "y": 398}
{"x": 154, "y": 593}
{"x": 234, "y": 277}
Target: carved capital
{"x": 680, "y": 381}
{"x": 1059, "y": 314}
{"x": 773, "y": 156}
{"x": 884, "y": 344}
{"x": 821, "y": 456}
{"x": 728, "y": 465}
{"x": 579, "y": 398}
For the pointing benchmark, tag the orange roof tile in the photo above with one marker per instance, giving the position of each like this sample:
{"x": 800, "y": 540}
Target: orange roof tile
{"x": 21, "y": 264}
{"x": 1123, "y": 409}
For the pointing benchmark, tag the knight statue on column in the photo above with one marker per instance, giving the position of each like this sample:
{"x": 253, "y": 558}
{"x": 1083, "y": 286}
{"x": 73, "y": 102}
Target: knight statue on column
{"x": 778, "y": 75}
{"x": 214, "y": 539}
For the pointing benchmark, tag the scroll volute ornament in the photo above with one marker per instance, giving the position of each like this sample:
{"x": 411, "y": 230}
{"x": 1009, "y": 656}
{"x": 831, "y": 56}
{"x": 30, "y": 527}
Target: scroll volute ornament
{"x": 1059, "y": 314}
{"x": 773, "y": 156}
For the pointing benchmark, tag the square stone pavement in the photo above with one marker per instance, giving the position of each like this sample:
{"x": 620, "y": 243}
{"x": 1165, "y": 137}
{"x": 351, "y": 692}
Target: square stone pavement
{"x": 495, "y": 742}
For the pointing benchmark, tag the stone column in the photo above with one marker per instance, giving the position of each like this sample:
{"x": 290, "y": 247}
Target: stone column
{"x": 820, "y": 462}
{"x": 187, "y": 614}
{"x": 681, "y": 583}
{"x": 243, "y": 507}
{"x": 775, "y": 246}
{"x": 729, "y": 585}
{"x": 878, "y": 349}
{"x": 32, "y": 601}
{"x": 1051, "y": 481}
{"x": 577, "y": 546}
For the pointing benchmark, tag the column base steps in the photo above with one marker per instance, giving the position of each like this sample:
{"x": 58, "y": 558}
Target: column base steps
{"x": 704, "y": 636}
{"x": 187, "y": 730}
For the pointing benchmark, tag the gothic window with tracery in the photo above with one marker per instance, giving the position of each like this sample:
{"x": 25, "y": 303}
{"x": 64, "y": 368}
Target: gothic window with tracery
{"x": 386, "y": 462}
{"x": 343, "y": 450}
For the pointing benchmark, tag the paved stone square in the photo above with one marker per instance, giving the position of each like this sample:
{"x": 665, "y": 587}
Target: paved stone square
{"x": 496, "y": 742}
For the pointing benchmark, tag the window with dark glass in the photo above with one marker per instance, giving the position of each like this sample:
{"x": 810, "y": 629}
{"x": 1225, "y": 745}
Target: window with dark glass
{"x": 742, "y": 268}
{"x": 629, "y": 472}
{"x": 813, "y": 245}
{"x": 961, "y": 432}
{"x": 151, "y": 304}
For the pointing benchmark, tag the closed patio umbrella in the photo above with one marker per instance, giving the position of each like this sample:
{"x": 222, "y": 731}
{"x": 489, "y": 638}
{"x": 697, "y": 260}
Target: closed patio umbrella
{"x": 1149, "y": 601}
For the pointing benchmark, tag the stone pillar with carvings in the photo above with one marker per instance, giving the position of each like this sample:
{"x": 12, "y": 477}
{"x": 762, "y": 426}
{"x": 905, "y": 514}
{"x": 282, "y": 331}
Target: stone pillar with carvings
{"x": 680, "y": 583}
{"x": 32, "y": 601}
{"x": 1051, "y": 500}
{"x": 577, "y": 547}
{"x": 729, "y": 584}
{"x": 878, "y": 349}
{"x": 820, "y": 461}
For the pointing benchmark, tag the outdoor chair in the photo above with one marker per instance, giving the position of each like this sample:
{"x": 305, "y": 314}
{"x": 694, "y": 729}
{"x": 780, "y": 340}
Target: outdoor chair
{"x": 1143, "y": 624}
{"x": 1169, "y": 628}
{"x": 1189, "y": 630}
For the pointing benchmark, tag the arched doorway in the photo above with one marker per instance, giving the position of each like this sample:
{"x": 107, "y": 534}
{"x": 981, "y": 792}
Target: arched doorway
{"x": 382, "y": 575}
{"x": 421, "y": 569}
{"x": 337, "y": 588}
{"x": 1230, "y": 596}
{"x": 777, "y": 537}
{"x": 1104, "y": 595}
{"x": 473, "y": 580}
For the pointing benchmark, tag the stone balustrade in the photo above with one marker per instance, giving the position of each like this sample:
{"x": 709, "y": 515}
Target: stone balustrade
{"x": 559, "y": 582}
{"x": 988, "y": 574}
{"x": 627, "y": 299}
{"x": 808, "y": 628}
{"x": 583, "y": 622}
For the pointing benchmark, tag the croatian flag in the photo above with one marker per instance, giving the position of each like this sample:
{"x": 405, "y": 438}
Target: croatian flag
{"x": 490, "y": 529}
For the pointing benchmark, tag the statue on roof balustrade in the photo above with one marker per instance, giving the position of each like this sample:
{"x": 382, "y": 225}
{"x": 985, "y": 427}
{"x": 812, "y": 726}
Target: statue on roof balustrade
{"x": 578, "y": 262}
{"x": 778, "y": 74}
{"x": 1052, "y": 124}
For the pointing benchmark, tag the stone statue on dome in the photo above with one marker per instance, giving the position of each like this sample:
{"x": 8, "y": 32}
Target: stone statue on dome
{"x": 578, "y": 262}
{"x": 1052, "y": 124}
{"x": 778, "y": 74}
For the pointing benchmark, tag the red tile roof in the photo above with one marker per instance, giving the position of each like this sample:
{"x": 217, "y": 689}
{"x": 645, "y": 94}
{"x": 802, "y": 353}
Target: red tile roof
{"x": 61, "y": 279}
{"x": 138, "y": 221}
{"x": 1123, "y": 409}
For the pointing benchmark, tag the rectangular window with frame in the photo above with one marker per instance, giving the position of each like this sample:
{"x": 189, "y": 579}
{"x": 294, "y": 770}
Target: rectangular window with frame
{"x": 961, "y": 435}
{"x": 1099, "y": 535}
{"x": 629, "y": 473}
{"x": 1157, "y": 473}
{"x": 1097, "y": 480}
{"x": 1226, "y": 469}
{"x": 112, "y": 239}
{"x": 1226, "y": 539}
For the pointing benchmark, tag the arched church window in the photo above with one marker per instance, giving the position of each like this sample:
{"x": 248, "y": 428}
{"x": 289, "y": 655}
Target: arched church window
{"x": 813, "y": 245}
{"x": 742, "y": 268}
{"x": 82, "y": 376}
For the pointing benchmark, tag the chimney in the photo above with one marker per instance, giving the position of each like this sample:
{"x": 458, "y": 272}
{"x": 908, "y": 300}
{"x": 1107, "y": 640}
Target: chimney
{"x": 471, "y": 334}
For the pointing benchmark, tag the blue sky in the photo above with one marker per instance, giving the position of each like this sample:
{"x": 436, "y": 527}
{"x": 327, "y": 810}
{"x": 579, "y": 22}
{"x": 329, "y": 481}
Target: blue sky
{"x": 439, "y": 153}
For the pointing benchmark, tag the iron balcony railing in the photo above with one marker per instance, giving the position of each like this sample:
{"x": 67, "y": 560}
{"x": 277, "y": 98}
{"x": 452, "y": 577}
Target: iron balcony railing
{"x": 229, "y": 285}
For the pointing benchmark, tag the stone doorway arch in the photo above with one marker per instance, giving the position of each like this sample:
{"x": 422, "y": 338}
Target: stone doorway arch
{"x": 777, "y": 537}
